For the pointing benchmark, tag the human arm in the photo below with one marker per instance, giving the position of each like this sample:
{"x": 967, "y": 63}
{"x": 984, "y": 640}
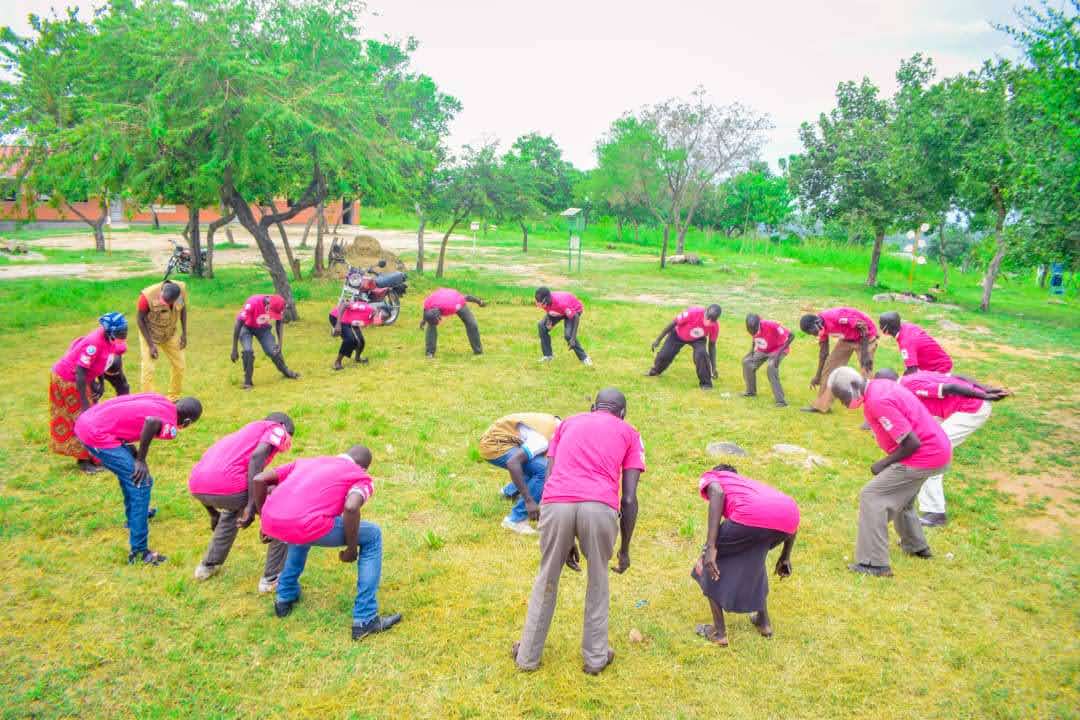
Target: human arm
{"x": 716, "y": 516}
{"x": 906, "y": 447}
{"x": 351, "y": 524}
{"x": 786, "y": 345}
{"x": 475, "y": 300}
{"x": 183, "y": 326}
{"x": 258, "y": 488}
{"x": 980, "y": 392}
{"x": 670, "y": 327}
{"x": 234, "y": 355}
{"x": 144, "y": 330}
{"x": 911, "y": 369}
{"x": 516, "y": 467}
{"x": 336, "y": 331}
{"x": 279, "y": 327}
{"x": 865, "y": 361}
{"x": 823, "y": 354}
{"x": 150, "y": 429}
{"x": 256, "y": 464}
{"x": 783, "y": 563}
{"x": 712, "y": 359}
{"x": 82, "y": 387}
{"x": 628, "y": 510}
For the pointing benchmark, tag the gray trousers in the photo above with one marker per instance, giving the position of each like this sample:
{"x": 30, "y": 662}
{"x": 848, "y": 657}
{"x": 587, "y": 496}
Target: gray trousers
{"x": 264, "y": 335}
{"x": 750, "y": 365}
{"x": 228, "y": 509}
{"x": 890, "y": 495}
{"x": 595, "y": 526}
{"x": 472, "y": 329}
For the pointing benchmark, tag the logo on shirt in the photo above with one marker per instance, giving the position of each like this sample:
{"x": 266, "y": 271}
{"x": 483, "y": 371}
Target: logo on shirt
{"x": 885, "y": 423}
{"x": 760, "y": 343}
{"x": 697, "y": 332}
{"x": 263, "y": 319}
{"x": 903, "y": 354}
{"x": 169, "y": 431}
{"x": 90, "y": 350}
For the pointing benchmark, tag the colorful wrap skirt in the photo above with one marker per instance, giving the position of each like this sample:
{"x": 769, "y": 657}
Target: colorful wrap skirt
{"x": 64, "y": 409}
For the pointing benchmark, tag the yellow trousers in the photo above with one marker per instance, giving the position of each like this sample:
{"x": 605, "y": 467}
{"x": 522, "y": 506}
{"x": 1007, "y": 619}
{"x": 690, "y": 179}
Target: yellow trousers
{"x": 170, "y": 349}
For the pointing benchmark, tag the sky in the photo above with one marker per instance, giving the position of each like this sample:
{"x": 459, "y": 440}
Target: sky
{"x": 568, "y": 69}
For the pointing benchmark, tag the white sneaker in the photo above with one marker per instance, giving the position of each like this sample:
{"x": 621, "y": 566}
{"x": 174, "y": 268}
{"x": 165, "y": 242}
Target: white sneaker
{"x": 546, "y": 358}
{"x": 268, "y": 585}
{"x": 522, "y": 528}
{"x": 205, "y": 572}
{"x": 587, "y": 362}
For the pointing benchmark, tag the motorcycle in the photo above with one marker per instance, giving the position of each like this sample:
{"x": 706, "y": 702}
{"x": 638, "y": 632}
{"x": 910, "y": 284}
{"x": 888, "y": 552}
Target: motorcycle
{"x": 180, "y": 260}
{"x": 373, "y": 287}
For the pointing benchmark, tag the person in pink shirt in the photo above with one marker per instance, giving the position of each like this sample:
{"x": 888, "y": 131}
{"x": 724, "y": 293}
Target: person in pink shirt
{"x": 698, "y": 327}
{"x": 221, "y": 481}
{"x": 917, "y": 448}
{"x": 962, "y": 406}
{"x": 316, "y": 502}
{"x": 445, "y": 302}
{"x": 590, "y": 457}
{"x": 771, "y": 342}
{"x": 918, "y": 350}
{"x": 75, "y": 383}
{"x": 108, "y": 431}
{"x": 855, "y": 331}
{"x": 746, "y": 520}
{"x": 253, "y": 322}
{"x": 347, "y": 321}
{"x": 559, "y": 307}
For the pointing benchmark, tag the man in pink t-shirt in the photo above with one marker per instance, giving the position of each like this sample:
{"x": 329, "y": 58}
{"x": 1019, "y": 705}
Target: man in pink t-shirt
{"x": 348, "y": 320}
{"x": 445, "y": 302}
{"x": 590, "y": 456}
{"x": 108, "y": 431}
{"x": 559, "y": 307}
{"x": 317, "y": 501}
{"x": 855, "y": 331}
{"x": 698, "y": 327}
{"x": 917, "y": 449}
{"x": 962, "y": 406}
{"x": 221, "y": 481}
{"x": 770, "y": 343}
{"x": 918, "y": 350}
{"x": 253, "y": 323}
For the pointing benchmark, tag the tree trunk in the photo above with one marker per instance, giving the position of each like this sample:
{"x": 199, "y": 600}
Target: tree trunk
{"x": 442, "y": 246}
{"x": 1043, "y": 271}
{"x": 98, "y": 225}
{"x": 942, "y": 257}
{"x": 293, "y": 263}
{"x": 618, "y": 228}
{"x": 999, "y": 255}
{"x": 680, "y": 240}
{"x": 225, "y": 219}
{"x": 153, "y": 215}
{"x": 320, "y": 234}
{"x": 266, "y": 247}
{"x": 636, "y": 228}
{"x": 524, "y": 238}
{"x": 307, "y": 229}
{"x": 195, "y": 244}
{"x": 875, "y": 257}
{"x": 663, "y": 248}
{"x": 420, "y": 238}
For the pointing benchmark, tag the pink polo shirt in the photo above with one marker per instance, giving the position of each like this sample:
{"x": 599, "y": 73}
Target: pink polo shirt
{"x": 843, "y": 321}
{"x": 310, "y": 495}
{"x": 91, "y": 352}
{"x": 691, "y": 324}
{"x": 445, "y": 300}
{"x": 771, "y": 337}
{"x": 749, "y": 502}
{"x": 918, "y": 349}
{"x": 929, "y": 388}
{"x": 590, "y": 451}
{"x": 892, "y": 412}
{"x": 357, "y": 314}
{"x": 120, "y": 420}
{"x": 563, "y": 305}
{"x": 255, "y": 313}
{"x": 222, "y": 470}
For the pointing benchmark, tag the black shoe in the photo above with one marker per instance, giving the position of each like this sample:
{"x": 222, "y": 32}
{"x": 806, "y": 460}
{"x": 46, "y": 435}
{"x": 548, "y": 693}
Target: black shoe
{"x": 747, "y": 394}
{"x": 781, "y": 403}
{"x": 146, "y": 557}
{"x": 933, "y": 519}
{"x": 378, "y": 624}
{"x": 875, "y": 570}
{"x": 283, "y": 607}
{"x": 925, "y": 553}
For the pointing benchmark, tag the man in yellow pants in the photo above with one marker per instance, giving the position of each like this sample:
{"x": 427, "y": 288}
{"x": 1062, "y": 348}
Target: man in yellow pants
{"x": 163, "y": 328}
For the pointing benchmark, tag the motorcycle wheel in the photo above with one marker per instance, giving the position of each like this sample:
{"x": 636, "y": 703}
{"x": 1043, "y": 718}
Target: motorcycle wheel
{"x": 395, "y": 307}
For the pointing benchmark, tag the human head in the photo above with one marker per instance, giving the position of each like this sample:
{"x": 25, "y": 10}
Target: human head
{"x": 188, "y": 410}
{"x": 612, "y": 401}
{"x": 432, "y": 316}
{"x": 848, "y": 386}
{"x": 282, "y": 419}
{"x": 543, "y": 296}
{"x": 724, "y": 467}
{"x": 890, "y": 323}
{"x": 753, "y": 323}
{"x": 170, "y": 292}
{"x": 811, "y": 324}
{"x": 115, "y": 325}
{"x": 275, "y": 306}
{"x": 886, "y": 374}
{"x": 360, "y": 455}
{"x": 712, "y": 313}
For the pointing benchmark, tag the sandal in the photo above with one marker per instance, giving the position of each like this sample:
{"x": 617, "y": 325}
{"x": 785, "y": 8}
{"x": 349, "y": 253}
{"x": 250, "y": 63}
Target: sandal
{"x": 709, "y": 633}
{"x": 146, "y": 557}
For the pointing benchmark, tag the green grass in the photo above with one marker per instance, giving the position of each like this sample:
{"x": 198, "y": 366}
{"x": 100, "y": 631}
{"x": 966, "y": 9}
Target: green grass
{"x": 985, "y": 630}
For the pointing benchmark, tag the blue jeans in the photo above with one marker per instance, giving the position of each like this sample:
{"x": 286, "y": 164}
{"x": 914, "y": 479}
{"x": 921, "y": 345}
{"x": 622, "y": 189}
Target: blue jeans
{"x": 136, "y": 499}
{"x": 535, "y": 470}
{"x": 368, "y": 568}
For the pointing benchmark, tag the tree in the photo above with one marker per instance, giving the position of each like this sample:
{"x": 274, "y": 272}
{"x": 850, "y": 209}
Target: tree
{"x": 519, "y": 196}
{"x": 465, "y": 186}
{"x": 750, "y": 198}
{"x": 535, "y": 180}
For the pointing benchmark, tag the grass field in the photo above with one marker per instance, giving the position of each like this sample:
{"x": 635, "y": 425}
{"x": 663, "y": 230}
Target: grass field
{"x": 986, "y": 629}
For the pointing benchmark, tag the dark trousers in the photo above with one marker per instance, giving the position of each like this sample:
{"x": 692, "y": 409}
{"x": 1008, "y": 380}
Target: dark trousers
{"x": 228, "y": 508}
{"x": 750, "y": 365}
{"x": 352, "y": 339}
{"x": 671, "y": 347}
{"x": 431, "y": 339}
{"x": 569, "y": 334}
{"x": 264, "y": 335}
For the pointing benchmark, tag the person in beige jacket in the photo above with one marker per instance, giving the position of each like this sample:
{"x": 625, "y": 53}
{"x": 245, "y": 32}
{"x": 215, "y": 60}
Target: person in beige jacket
{"x": 518, "y": 443}
{"x": 162, "y": 313}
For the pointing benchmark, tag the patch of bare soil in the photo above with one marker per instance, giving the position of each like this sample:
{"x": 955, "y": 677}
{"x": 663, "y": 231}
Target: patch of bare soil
{"x": 1058, "y": 492}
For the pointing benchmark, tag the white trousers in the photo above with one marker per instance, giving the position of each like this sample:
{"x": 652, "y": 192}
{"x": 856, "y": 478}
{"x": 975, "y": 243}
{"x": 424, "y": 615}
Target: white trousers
{"x": 957, "y": 427}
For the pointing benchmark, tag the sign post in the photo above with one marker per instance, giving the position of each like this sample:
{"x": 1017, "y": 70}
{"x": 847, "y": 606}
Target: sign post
{"x": 474, "y": 226}
{"x": 575, "y": 225}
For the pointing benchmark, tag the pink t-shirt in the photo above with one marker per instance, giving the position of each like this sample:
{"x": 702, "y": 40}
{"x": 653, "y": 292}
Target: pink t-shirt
{"x": 92, "y": 352}
{"x": 892, "y": 412}
{"x": 255, "y": 314}
{"x": 310, "y": 494}
{"x": 771, "y": 337}
{"x": 563, "y": 304}
{"x": 222, "y": 470}
{"x": 691, "y": 324}
{"x": 929, "y": 386}
{"x": 445, "y": 300}
{"x": 749, "y": 502}
{"x": 356, "y": 313}
{"x": 843, "y": 321}
{"x": 590, "y": 451}
{"x": 918, "y": 349}
{"x": 120, "y": 420}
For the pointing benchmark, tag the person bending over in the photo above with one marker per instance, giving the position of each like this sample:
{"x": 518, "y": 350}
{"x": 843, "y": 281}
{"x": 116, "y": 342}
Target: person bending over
{"x": 559, "y": 307}
{"x": 347, "y": 321}
{"x": 697, "y": 327}
{"x": 253, "y": 321}
{"x": 918, "y": 350}
{"x": 445, "y": 302}
{"x": 518, "y": 443}
{"x": 856, "y": 332}
{"x": 771, "y": 342}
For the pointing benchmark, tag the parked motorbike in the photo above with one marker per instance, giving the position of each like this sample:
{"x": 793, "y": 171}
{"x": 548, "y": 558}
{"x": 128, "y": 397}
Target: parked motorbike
{"x": 180, "y": 260}
{"x": 373, "y": 287}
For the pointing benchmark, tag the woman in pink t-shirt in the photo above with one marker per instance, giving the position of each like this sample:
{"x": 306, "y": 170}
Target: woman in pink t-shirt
{"x": 747, "y": 519}
{"x": 347, "y": 321}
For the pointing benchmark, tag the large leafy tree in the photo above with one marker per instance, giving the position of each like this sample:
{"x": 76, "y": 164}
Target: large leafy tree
{"x": 535, "y": 180}
{"x": 754, "y": 197}
{"x": 465, "y": 186}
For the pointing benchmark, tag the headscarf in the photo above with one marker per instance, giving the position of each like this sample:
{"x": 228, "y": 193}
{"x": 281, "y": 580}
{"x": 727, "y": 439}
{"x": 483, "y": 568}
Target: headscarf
{"x": 113, "y": 323}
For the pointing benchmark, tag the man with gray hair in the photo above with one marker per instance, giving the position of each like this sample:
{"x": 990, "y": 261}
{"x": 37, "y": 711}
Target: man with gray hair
{"x": 917, "y": 449}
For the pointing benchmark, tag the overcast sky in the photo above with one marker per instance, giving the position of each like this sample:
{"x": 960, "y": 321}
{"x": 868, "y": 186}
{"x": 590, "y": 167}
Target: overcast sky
{"x": 568, "y": 69}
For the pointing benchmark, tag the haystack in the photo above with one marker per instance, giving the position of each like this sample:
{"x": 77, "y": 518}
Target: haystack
{"x": 366, "y": 251}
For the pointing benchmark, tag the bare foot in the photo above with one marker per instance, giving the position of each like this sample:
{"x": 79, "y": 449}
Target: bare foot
{"x": 762, "y": 627}
{"x": 709, "y": 633}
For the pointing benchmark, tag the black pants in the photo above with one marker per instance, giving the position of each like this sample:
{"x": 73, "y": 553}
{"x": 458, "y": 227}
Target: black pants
{"x": 671, "y": 347}
{"x": 352, "y": 339}
{"x": 264, "y": 335}
{"x": 569, "y": 331}
{"x": 114, "y": 375}
{"x": 431, "y": 339}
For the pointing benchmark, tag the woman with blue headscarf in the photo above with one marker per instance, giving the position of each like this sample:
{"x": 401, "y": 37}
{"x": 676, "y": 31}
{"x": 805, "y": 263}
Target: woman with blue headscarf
{"x": 76, "y": 383}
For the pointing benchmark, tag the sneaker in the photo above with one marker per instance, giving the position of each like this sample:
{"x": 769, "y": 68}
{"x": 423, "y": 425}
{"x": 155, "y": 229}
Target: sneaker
{"x": 283, "y": 607}
{"x": 924, "y": 554}
{"x": 378, "y": 624}
{"x": 781, "y": 403}
{"x": 875, "y": 570}
{"x": 146, "y": 557}
{"x": 205, "y": 572}
{"x": 430, "y": 356}
{"x": 587, "y": 362}
{"x": 546, "y": 359}
{"x": 933, "y": 519}
{"x": 522, "y": 528}
{"x": 747, "y": 394}
{"x": 268, "y": 584}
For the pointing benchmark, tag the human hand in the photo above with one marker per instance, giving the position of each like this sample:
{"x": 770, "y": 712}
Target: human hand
{"x": 348, "y": 555}
{"x": 573, "y": 559}
{"x": 335, "y": 331}
{"x": 247, "y": 517}
{"x": 709, "y": 563}
{"x": 234, "y": 356}
{"x": 532, "y": 508}
{"x": 140, "y": 473}
{"x": 481, "y": 303}
{"x": 183, "y": 340}
{"x": 783, "y": 568}
{"x": 624, "y": 562}
{"x": 715, "y": 374}
{"x": 815, "y": 381}
{"x": 153, "y": 351}
{"x": 878, "y": 467}
{"x": 654, "y": 346}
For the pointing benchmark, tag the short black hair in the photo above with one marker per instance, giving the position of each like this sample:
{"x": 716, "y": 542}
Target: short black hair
{"x": 808, "y": 324}
{"x": 543, "y": 295}
{"x": 724, "y": 467}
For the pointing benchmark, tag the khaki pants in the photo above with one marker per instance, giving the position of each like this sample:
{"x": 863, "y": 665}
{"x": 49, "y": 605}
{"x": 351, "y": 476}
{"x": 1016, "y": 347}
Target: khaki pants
{"x": 958, "y": 427}
{"x": 839, "y": 357}
{"x": 229, "y": 508}
{"x": 595, "y": 526}
{"x": 890, "y": 495}
{"x": 170, "y": 349}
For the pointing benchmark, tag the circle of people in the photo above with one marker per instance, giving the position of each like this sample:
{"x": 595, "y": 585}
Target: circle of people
{"x": 576, "y": 477}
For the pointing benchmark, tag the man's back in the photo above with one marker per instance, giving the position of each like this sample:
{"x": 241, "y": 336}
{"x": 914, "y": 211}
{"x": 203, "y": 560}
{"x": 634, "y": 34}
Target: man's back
{"x": 590, "y": 451}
